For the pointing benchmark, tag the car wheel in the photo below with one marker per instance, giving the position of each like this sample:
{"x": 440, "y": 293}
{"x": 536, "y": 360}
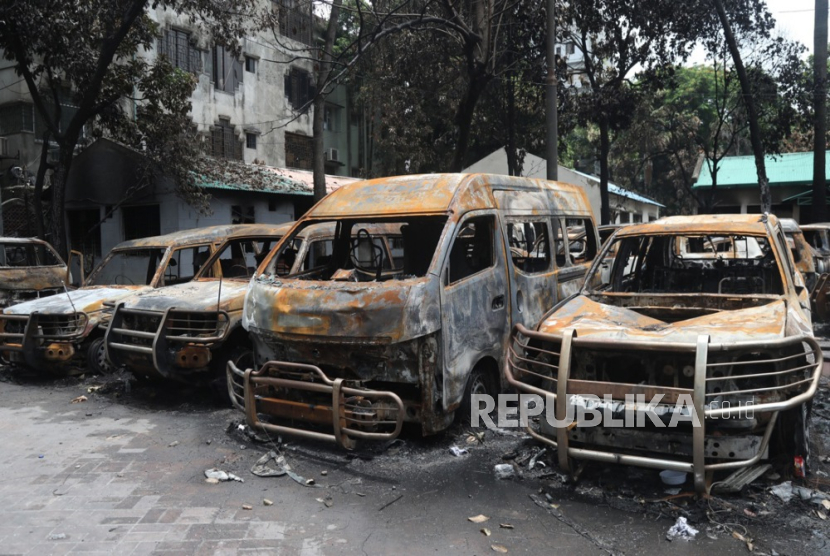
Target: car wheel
{"x": 96, "y": 357}
{"x": 480, "y": 382}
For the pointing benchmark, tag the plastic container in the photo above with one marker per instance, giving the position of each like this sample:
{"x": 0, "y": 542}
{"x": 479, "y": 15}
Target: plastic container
{"x": 674, "y": 478}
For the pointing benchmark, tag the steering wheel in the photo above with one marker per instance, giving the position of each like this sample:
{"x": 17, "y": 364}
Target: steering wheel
{"x": 377, "y": 253}
{"x": 126, "y": 279}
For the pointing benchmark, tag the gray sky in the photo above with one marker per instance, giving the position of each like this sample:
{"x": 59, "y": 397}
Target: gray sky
{"x": 795, "y": 19}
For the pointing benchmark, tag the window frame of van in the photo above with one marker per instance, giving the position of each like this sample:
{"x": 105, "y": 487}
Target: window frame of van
{"x": 546, "y": 221}
{"x": 445, "y": 273}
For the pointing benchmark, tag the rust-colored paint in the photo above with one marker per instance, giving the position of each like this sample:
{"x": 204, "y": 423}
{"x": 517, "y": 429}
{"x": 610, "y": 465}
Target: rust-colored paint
{"x": 19, "y": 283}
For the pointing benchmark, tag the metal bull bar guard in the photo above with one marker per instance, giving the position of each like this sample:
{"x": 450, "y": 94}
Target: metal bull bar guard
{"x": 351, "y": 412}
{"x": 559, "y": 385}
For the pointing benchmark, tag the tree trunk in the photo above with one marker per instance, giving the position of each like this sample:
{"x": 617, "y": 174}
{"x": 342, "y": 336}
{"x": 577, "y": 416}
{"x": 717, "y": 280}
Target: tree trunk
{"x": 464, "y": 118}
{"x": 323, "y": 74}
{"x": 57, "y": 221}
{"x": 819, "y": 210}
{"x": 604, "y": 149}
{"x": 752, "y": 114}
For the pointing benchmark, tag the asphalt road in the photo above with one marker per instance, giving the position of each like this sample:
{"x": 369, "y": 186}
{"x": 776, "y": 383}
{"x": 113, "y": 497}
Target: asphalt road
{"x": 123, "y": 473}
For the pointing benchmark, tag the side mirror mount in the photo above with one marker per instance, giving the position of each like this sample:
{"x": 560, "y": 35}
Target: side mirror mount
{"x": 75, "y": 267}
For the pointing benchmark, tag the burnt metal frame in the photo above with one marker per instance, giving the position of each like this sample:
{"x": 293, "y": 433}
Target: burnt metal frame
{"x": 342, "y": 435}
{"x": 160, "y": 340}
{"x": 31, "y": 337}
{"x": 698, "y": 466}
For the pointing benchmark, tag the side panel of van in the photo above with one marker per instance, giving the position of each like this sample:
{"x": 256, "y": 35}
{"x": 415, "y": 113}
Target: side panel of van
{"x": 474, "y": 300}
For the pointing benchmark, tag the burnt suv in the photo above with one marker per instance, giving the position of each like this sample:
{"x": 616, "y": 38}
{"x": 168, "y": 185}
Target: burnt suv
{"x": 705, "y": 312}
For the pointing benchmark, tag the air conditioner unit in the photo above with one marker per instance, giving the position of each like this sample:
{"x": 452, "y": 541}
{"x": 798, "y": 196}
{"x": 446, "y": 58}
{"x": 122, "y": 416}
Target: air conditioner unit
{"x": 332, "y": 155}
{"x": 4, "y": 146}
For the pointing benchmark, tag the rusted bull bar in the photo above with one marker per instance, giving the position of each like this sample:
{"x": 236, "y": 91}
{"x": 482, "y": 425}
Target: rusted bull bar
{"x": 350, "y": 412}
{"x": 796, "y": 379}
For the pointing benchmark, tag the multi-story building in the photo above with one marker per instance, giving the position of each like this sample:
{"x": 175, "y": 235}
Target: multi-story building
{"x": 253, "y": 112}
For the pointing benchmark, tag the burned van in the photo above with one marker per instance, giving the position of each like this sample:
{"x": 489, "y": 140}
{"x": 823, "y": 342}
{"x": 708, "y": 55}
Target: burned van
{"x": 176, "y": 332}
{"x": 31, "y": 269}
{"x": 695, "y": 354}
{"x": 378, "y": 331}
{"x": 58, "y": 333}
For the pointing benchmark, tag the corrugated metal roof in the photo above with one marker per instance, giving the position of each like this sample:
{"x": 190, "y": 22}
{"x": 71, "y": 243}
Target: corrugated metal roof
{"x": 621, "y": 191}
{"x": 782, "y": 170}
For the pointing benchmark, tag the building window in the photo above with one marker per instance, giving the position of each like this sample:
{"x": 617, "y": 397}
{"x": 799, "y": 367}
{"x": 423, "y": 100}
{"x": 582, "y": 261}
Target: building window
{"x": 570, "y": 48}
{"x": 176, "y": 46}
{"x": 85, "y": 231}
{"x": 227, "y": 70}
{"x": 295, "y": 19}
{"x": 250, "y": 140}
{"x": 250, "y": 64}
{"x": 68, "y": 109}
{"x": 242, "y": 214}
{"x": 299, "y": 90}
{"x": 141, "y": 221}
{"x": 299, "y": 151}
{"x": 16, "y": 117}
{"x": 330, "y": 117}
{"x": 223, "y": 141}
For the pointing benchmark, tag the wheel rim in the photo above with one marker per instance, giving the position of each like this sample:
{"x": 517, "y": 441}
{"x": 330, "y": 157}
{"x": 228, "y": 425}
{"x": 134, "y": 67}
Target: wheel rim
{"x": 101, "y": 359}
{"x": 479, "y": 386}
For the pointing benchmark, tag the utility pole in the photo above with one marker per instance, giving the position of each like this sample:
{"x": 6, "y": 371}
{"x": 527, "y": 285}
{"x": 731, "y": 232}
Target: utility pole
{"x": 551, "y": 97}
{"x": 819, "y": 208}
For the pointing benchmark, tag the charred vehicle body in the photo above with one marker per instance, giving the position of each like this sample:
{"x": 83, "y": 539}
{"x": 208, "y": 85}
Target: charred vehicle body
{"x": 704, "y": 309}
{"x": 56, "y": 333}
{"x": 818, "y": 237}
{"x": 176, "y": 331}
{"x": 31, "y": 269}
{"x": 379, "y": 331}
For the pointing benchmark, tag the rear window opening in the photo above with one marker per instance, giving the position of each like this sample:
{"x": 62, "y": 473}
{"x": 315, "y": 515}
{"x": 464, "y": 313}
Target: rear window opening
{"x": 17, "y": 255}
{"x": 130, "y": 267}
{"x": 360, "y": 250}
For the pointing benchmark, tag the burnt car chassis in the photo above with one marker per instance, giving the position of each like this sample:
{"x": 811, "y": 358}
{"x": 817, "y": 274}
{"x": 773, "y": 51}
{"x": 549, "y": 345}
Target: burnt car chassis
{"x": 534, "y": 358}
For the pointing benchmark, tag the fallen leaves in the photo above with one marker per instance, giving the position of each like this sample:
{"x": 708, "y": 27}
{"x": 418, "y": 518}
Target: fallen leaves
{"x": 498, "y": 548}
{"x": 486, "y": 531}
{"x": 478, "y": 518}
{"x": 79, "y": 399}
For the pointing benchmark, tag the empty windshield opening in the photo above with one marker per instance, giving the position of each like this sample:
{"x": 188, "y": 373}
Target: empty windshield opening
{"x": 238, "y": 259}
{"x": 131, "y": 267}
{"x": 17, "y": 255}
{"x": 691, "y": 264}
{"x": 360, "y": 250}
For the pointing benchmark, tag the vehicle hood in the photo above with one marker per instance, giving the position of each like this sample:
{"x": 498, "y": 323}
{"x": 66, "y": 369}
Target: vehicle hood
{"x": 34, "y": 278}
{"x": 198, "y": 296}
{"x": 384, "y": 312}
{"x": 86, "y": 300}
{"x": 602, "y": 321}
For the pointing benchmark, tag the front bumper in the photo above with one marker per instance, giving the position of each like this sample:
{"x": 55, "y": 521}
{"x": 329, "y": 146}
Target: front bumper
{"x": 353, "y": 413}
{"x": 43, "y": 339}
{"x": 172, "y": 344}
{"x": 534, "y": 367}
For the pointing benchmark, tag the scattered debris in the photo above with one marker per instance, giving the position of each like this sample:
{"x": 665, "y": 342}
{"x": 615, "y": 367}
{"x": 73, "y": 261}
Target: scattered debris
{"x": 672, "y": 478}
{"x": 480, "y": 518}
{"x": 458, "y": 452}
{"x": 749, "y": 543}
{"x": 264, "y": 468}
{"x": 739, "y": 479}
{"x": 505, "y": 526}
{"x": 56, "y": 537}
{"x": 221, "y": 476}
{"x": 486, "y": 531}
{"x": 390, "y": 503}
{"x": 247, "y": 507}
{"x": 91, "y": 389}
{"x": 533, "y": 461}
{"x": 79, "y": 399}
{"x": 475, "y": 438}
{"x": 324, "y": 473}
{"x": 498, "y": 548}
{"x": 266, "y": 502}
{"x": 173, "y": 444}
{"x": 504, "y": 471}
{"x": 212, "y": 481}
{"x": 786, "y": 490}
{"x": 681, "y": 530}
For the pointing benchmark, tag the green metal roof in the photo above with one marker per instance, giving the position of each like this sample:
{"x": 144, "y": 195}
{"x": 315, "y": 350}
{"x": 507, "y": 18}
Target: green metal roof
{"x": 791, "y": 169}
